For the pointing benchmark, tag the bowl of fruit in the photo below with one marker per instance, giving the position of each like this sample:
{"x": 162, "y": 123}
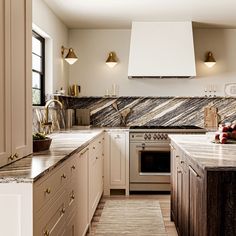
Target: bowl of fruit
{"x": 226, "y": 133}
{"x": 41, "y": 142}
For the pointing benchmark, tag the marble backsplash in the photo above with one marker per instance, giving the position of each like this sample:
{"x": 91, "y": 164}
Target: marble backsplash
{"x": 107, "y": 112}
{"x": 127, "y": 111}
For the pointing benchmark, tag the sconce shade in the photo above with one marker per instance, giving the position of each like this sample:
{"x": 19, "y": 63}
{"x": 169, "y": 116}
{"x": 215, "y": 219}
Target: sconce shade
{"x": 71, "y": 58}
{"x": 210, "y": 60}
{"x": 111, "y": 60}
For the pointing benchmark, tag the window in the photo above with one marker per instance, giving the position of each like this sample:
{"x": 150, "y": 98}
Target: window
{"x": 38, "y": 69}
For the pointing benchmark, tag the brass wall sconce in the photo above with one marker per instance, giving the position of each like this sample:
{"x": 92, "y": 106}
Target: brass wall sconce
{"x": 210, "y": 60}
{"x": 112, "y": 59}
{"x": 71, "y": 58}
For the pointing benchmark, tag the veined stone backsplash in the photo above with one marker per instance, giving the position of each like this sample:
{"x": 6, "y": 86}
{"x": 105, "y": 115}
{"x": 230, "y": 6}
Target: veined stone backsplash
{"x": 151, "y": 110}
{"x": 143, "y": 110}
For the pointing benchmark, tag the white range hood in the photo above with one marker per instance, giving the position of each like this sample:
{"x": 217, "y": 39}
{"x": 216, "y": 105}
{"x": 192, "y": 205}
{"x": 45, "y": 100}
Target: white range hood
{"x": 161, "y": 50}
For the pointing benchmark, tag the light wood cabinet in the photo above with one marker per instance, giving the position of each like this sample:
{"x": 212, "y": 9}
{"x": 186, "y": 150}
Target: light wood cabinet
{"x": 82, "y": 214}
{"x": 15, "y": 80}
{"x": 95, "y": 174}
{"x": 61, "y": 202}
{"x": 116, "y": 166}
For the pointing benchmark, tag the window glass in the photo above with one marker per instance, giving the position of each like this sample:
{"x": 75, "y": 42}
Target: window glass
{"x": 38, "y": 73}
{"x": 36, "y": 46}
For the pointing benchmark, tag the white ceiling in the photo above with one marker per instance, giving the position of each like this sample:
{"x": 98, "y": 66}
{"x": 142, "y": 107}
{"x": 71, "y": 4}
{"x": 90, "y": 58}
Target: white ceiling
{"x": 95, "y": 14}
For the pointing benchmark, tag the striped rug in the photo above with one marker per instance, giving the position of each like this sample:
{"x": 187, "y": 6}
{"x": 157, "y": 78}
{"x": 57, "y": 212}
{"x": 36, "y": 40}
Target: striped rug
{"x": 131, "y": 217}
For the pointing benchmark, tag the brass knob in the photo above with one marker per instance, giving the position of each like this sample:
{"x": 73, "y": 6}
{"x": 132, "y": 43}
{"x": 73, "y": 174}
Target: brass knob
{"x": 11, "y": 158}
{"x": 93, "y": 147}
{"x": 46, "y": 233}
{"x": 99, "y": 142}
{"x": 16, "y": 155}
{"x": 72, "y": 195}
{"x": 48, "y": 191}
{"x": 63, "y": 176}
{"x": 63, "y": 210}
{"x": 96, "y": 158}
{"x": 73, "y": 167}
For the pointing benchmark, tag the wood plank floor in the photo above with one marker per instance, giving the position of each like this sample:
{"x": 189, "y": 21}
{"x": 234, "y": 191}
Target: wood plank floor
{"x": 164, "y": 200}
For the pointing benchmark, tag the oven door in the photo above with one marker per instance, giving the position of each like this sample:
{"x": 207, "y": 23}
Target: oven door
{"x": 150, "y": 163}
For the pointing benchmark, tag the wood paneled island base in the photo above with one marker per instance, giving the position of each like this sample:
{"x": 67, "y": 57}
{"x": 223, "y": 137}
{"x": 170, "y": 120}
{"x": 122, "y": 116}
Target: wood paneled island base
{"x": 203, "y": 186}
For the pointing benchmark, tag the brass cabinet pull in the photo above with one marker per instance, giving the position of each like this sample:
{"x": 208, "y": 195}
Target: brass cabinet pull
{"x": 46, "y": 233}
{"x": 73, "y": 167}
{"x": 63, "y": 210}
{"x": 16, "y": 155}
{"x": 48, "y": 191}
{"x": 99, "y": 142}
{"x": 94, "y": 148}
{"x": 181, "y": 162}
{"x": 96, "y": 158}
{"x": 11, "y": 158}
{"x": 63, "y": 176}
{"x": 82, "y": 153}
{"x": 72, "y": 195}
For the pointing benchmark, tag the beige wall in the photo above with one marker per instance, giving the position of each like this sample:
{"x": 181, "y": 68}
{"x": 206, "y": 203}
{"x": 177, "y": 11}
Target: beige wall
{"x": 56, "y": 34}
{"x": 91, "y": 72}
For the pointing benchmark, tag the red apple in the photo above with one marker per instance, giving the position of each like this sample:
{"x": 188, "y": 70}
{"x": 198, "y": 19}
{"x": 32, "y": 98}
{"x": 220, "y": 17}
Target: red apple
{"x": 217, "y": 136}
{"x": 224, "y": 135}
{"x": 224, "y": 129}
{"x": 223, "y": 140}
{"x": 233, "y": 134}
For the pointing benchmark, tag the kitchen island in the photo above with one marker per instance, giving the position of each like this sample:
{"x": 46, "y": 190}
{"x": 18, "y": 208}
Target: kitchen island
{"x": 203, "y": 186}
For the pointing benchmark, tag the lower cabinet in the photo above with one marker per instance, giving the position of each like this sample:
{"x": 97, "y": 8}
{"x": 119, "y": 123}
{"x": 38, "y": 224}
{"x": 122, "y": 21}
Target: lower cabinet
{"x": 95, "y": 174}
{"x": 66, "y": 199}
{"x": 116, "y": 163}
{"x": 60, "y": 203}
{"x": 196, "y": 227}
{"x": 82, "y": 213}
{"x": 188, "y": 195}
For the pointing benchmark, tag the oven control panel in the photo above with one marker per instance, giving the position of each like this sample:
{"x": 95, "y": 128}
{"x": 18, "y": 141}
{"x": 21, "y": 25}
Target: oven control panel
{"x": 148, "y": 136}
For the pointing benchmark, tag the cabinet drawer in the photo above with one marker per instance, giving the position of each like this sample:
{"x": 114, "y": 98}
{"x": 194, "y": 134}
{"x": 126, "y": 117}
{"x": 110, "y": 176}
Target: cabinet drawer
{"x": 52, "y": 221}
{"x": 45, "y": 189}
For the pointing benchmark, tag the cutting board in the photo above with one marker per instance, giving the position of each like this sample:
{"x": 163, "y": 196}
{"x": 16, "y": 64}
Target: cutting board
{"x": 211, "y": 117}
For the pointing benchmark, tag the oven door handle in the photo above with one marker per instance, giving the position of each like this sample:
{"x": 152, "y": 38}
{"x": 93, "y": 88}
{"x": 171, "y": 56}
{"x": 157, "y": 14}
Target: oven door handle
{"x": 150, "y": 146}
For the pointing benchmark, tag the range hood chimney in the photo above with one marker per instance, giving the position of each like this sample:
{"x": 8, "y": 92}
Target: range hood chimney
{"x": 161, "y": 50}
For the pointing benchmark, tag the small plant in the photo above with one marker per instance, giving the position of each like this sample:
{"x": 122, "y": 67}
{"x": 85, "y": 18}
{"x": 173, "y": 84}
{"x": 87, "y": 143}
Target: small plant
{"x": 39, "y": 136}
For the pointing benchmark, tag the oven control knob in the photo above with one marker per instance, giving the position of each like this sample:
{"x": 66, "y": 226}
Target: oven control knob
{"x": 145, "y": 136}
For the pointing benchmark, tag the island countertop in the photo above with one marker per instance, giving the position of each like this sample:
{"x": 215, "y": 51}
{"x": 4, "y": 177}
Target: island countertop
{"x": 31, "y": 168}
{"x": 207, "y": 155}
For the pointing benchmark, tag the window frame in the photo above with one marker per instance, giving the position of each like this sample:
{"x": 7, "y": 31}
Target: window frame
{"x": 41, "y": 73}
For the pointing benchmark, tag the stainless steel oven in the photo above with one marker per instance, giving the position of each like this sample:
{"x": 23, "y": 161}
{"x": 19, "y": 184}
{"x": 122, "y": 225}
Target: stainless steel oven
{"x": 150, "y": 156}
{"x": 149, "y": 163}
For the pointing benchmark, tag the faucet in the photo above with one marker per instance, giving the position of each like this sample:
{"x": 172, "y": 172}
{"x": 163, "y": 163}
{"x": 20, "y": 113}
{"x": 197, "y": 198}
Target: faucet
{"x": 46, "y": 123}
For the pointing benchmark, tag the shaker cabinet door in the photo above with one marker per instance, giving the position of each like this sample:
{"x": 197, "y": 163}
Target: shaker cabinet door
{"x": 5, "y": 98}
{"x": 15, "y": 80}
{"x": 21, "y": 85}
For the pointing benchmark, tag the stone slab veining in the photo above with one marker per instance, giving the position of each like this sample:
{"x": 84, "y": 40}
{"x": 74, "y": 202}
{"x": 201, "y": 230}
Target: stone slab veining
{"x": 207, "y": 155}
{"x": 29, "y": 169}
